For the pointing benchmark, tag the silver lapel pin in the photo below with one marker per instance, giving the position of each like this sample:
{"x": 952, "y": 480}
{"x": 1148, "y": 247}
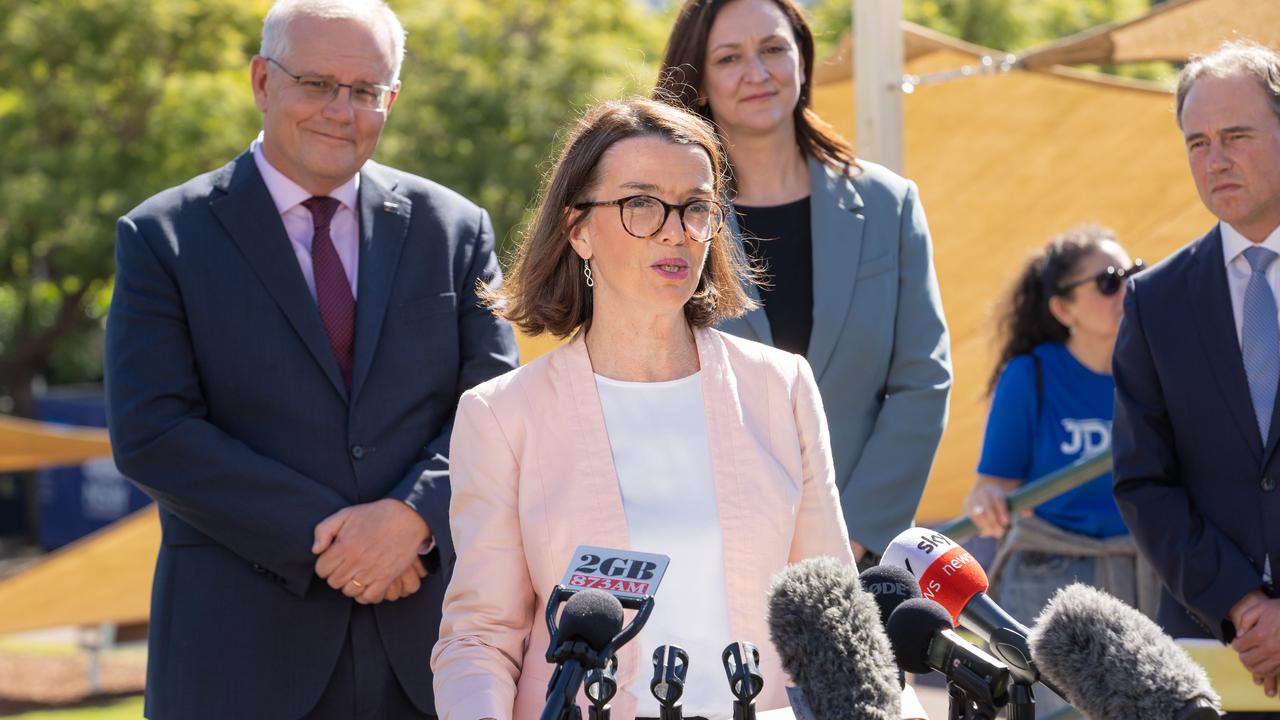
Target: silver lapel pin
{"x": 389, "y": 206}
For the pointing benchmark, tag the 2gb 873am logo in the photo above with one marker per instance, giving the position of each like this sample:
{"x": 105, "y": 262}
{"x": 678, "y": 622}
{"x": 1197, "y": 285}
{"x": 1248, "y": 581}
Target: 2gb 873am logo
{"x": 630, "y": 587}
{"x": 620, "y": 572}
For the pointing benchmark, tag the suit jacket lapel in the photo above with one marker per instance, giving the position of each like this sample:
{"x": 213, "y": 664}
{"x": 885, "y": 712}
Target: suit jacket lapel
{"x": 836, "y": 212}
{"x": 384, "y": 223}
{"x": 602, "y": 500}
{"x": 756, "y": 319}
{"x": 596, "y": 503}
{"x": 1211, "y": 303}
{"x": 252, "y": 221}
{"x": 723, "y": 409}
{"x": 1269, "y": 452}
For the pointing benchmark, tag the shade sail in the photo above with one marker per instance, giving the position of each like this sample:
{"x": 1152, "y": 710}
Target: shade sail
{"x": 104, "y": 577}
{"x": 1172, "y": 31}
{"x": 30, "y": 445}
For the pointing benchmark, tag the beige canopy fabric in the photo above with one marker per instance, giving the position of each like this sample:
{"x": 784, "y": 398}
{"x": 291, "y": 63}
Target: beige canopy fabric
{"x": 1004, "y": 162}
{"x": 1172, "y": 31}
{"x": 104, "y": 577}
{"x": 29, "y": 445}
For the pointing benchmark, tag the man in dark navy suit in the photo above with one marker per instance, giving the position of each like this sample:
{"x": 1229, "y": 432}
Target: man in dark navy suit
{"x": 286, "y": 346}
{"x": 1197, "y": 365}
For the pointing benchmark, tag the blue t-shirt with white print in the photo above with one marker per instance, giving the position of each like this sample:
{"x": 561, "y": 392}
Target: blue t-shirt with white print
{"x": 1074, "y": 421}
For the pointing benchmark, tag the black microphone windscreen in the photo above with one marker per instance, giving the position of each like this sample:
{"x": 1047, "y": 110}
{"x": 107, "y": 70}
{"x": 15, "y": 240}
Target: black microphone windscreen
{"x": 1112, "y": 661}
{"x": 890, "y": 586}
{"x": 592, "y": 616}
{"x": 912, "y": 628}
{"x": 830, "y": 641}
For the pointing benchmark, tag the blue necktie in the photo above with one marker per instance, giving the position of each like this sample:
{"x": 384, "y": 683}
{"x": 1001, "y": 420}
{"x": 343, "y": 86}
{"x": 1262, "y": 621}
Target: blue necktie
{"x": 1260, "y": 341}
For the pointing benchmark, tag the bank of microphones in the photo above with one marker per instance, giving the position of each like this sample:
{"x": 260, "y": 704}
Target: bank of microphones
{"x": 845, "y": 641}
{"x": 1101, "y": 655}
{"x": 586, "y": 624}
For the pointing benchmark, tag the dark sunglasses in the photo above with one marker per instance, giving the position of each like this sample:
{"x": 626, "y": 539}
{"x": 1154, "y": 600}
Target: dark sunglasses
{"x": 1109, "y": 281}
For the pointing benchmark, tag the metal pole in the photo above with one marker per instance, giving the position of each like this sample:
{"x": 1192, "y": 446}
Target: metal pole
{"x": 877, "y": 42}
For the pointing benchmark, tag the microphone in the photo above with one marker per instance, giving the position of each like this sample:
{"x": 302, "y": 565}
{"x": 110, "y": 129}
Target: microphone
{"x": 742, "y": 666}
{"x": 889, "y": 586}
{"x": 670, "y": 665}
{"x": 590, "y": 622}
{"x": 1116, "y": 663}
{"x": 922, "y": 638}
{"x": 598, "y": 583}
{"x": 601, "y": 685}
{"x": 954, "y": 579}
{"x": 831, "y": 642}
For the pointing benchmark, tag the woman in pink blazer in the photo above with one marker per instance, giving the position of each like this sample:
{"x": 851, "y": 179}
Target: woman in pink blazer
{"x": 647, "y": 426}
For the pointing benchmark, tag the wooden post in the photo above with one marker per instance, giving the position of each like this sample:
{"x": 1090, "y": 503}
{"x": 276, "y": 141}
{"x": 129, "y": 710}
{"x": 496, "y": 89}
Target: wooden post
{"x": 877, "y": 42}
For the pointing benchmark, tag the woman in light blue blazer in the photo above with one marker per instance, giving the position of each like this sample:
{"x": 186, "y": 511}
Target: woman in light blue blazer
{"x": 845, "y": 243}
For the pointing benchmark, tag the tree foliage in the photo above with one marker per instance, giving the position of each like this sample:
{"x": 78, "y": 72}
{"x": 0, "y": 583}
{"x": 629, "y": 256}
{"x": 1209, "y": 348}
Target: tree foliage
{"x": 106, "y": 102}
{"x": 103, "y": 103}
{"x": 489, "y": 83}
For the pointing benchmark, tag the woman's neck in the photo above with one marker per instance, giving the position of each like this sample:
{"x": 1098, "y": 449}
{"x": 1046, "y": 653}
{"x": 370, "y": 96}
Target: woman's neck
{"x": 1092, "y": 352}
{"x": 769, "y": 169}
{"x": 641, "y": 349}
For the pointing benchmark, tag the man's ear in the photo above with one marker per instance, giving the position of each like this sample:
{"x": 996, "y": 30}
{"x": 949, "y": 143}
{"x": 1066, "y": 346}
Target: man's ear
{"x": 258, "y": 68}
{"x": 395, "y": 93}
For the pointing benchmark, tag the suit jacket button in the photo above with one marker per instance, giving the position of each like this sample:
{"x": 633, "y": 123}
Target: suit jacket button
{"x": 357, "y": 452}
{"x": 1268, "y": 483}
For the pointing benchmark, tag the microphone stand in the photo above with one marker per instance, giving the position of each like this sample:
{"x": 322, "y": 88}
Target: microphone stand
{"x": 971, "y": 697}
{"x": 574, "y": 658}
{"x": 1022, "y": 701}
{"x": 742, "y": 666}
{"x": 601, "y": 686}
{"x": 670, "y": 665}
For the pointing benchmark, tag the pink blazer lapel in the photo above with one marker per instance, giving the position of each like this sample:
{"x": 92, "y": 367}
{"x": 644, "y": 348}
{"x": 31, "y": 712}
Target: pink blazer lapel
{"x": 596, "y": 506}
{"x": 724, "y": 432}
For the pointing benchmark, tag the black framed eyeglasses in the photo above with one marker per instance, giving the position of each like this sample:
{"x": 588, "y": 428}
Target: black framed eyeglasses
{"x": 1109, "y": 281}
{"x": 318, "y": 88}
{"x": 644, "y": 215}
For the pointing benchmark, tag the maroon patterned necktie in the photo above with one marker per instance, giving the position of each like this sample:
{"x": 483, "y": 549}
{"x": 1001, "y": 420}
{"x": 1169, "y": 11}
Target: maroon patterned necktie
{"x": 333, "y": 292}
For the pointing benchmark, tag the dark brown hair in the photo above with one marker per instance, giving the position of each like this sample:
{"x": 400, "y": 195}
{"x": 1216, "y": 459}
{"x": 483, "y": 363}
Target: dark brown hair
{"x": 680, "y": 79}
{"x": 545, "y": 289}
{"x": 1025, "y": 319}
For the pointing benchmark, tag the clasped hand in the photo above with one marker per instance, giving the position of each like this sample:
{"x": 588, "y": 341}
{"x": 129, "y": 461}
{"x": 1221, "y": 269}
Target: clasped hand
{"x": 1257, "y": 621}
{"x": 370, "y": 551}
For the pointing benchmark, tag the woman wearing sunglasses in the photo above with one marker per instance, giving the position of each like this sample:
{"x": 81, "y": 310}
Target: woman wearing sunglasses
{"x": 1052, "y": 398}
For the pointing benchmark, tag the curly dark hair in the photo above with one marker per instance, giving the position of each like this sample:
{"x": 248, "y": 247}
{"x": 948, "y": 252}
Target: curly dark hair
{"x": 1025, "y": 320}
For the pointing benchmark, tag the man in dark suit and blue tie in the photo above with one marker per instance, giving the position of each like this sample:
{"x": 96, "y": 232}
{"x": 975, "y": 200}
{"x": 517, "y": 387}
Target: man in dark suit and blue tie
{"x": 286, "y": 345}
{"x": 1197, "y": 364}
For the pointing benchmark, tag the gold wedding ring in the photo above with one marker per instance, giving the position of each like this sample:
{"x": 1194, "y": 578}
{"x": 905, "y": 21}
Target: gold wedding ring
{"x": 359, "y": 585}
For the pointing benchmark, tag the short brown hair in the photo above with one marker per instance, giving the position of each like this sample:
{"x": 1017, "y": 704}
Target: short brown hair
{"x": 1237, "y": 57}
{"x": 545, "y": 289}
{"x": 680, "y": 79}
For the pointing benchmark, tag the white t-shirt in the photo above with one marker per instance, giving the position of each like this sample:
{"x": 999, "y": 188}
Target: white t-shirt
{"x": 662, "y": 456}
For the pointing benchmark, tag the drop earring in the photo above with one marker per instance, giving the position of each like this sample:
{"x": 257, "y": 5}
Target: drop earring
{"x": 586, "y": 272}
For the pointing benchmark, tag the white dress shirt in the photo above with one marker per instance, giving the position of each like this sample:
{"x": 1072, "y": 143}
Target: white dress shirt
{"x": 344, "y": 229}
{"x": 1238, "y": 272}
{"x": 662, "y": 456}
